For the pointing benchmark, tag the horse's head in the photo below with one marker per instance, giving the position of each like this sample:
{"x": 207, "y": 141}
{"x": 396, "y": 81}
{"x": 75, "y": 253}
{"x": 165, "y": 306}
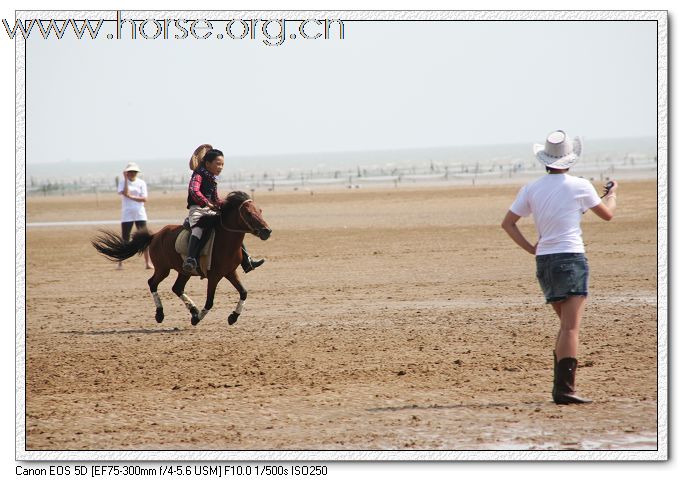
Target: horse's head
{"x": 248, "y": 215}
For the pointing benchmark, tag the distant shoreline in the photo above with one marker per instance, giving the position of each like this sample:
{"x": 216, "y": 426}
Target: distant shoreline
{"x": 422, "y": 180}
{"x": 504, "y": 160}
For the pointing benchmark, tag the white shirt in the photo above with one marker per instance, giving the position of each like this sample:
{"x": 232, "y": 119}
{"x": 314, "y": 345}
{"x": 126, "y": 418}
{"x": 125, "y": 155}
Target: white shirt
{"x": 557, "y": 202}
{"x": 132, "y": 210}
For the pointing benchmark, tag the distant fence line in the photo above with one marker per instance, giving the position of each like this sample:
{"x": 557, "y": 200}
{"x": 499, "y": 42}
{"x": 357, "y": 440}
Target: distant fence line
{"x": 294, "y": 179}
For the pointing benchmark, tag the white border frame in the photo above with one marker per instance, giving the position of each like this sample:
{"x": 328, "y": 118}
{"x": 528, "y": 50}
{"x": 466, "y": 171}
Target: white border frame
{"x": 507, "y": 15}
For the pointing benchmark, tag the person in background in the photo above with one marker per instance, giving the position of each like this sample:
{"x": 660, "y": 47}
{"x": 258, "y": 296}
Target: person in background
{"x": 557, "y": 202}
{"x": 133, "y": 192}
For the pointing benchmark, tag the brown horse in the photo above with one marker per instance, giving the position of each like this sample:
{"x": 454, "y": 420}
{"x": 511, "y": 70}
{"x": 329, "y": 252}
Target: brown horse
{"x": 237, "y": 216}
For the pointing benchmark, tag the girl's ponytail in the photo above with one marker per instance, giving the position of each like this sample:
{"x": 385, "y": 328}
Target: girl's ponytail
{"x": 198, "y": 156}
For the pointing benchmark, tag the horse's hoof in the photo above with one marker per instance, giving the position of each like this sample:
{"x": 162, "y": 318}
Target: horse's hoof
{"x": 195, "y": 316}
{"x": 232, "y": 318}
{"x": 159, "y": 315}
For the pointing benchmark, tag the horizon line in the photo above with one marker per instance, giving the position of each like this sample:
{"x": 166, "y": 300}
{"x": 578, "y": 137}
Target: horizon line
{"x": 337, "y": 152}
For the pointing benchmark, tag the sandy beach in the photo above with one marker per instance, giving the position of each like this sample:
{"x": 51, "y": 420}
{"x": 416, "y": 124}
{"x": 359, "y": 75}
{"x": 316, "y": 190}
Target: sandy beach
{"x": 384, "y": 319}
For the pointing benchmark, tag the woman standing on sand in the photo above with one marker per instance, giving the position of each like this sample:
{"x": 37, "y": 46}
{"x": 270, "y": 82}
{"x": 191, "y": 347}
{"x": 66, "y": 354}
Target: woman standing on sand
{"x": 133, "y": 193}
{"x": 557, "y": 201}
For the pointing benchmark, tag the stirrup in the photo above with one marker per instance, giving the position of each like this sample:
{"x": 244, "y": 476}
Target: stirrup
{"x": 190, "y": 265}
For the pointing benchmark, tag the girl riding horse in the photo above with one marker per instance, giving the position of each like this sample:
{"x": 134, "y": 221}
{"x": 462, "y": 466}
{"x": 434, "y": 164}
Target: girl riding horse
{"x": 202, "y": 199}
{"x": 237, "y": 216}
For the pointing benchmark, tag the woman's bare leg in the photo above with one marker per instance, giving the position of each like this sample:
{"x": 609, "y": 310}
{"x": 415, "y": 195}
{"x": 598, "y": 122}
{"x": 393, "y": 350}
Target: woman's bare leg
{"x": 570, "y": 313}
{"x": 557, "y": 307}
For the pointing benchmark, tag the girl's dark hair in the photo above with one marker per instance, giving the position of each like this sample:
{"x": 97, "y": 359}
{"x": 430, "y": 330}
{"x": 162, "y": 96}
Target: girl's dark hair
{"x": 211, "y": 155}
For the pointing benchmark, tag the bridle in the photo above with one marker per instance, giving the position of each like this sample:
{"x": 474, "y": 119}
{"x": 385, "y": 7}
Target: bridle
{"x": 241, "y": 231}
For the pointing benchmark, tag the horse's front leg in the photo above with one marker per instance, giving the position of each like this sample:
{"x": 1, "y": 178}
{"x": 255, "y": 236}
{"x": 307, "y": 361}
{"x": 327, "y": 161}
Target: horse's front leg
{"x": 210, "y": 293}
{"x": 235, "y": 281}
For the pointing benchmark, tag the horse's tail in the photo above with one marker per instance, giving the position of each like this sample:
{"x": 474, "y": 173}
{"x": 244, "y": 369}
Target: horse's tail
{"x": 114, "y": 248}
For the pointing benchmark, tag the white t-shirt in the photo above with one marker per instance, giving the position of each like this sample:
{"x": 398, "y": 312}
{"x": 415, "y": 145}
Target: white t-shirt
{"x": 130, "y": 209}
{"x": 557, "y": 202}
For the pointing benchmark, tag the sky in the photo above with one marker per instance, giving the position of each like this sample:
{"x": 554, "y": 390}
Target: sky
{"x": 385, "y": 86}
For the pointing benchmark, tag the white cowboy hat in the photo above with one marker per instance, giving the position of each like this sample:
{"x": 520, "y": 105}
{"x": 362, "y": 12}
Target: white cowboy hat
{"x": 559, "y": 152}
{"x": 132, "y": 167}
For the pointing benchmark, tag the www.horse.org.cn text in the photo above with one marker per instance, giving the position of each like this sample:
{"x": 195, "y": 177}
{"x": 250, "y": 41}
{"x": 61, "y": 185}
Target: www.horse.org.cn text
{"x": 269, "y": 32}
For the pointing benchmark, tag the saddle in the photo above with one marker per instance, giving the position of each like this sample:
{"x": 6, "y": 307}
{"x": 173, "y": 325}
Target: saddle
{"x": 181, "y": 244}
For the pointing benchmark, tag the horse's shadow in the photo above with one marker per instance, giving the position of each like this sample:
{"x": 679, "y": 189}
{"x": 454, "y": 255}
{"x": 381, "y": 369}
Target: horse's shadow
{"x": 126, "y": 331}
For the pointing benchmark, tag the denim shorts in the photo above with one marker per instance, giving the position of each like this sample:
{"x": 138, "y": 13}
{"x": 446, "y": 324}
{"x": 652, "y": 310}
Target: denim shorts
{"x": 562, "y": 275}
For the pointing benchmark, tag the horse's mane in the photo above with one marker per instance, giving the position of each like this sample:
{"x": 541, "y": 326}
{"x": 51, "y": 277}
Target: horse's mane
{"x": 232, "y": 201}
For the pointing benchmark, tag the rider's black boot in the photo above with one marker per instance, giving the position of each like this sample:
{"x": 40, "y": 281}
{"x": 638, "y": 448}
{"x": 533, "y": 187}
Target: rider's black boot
{"x": 249, "y": 264}
{"x": 190, "y": 264}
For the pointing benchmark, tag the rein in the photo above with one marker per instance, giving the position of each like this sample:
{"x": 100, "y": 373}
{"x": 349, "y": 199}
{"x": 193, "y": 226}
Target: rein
{"x": 240, "y": 231}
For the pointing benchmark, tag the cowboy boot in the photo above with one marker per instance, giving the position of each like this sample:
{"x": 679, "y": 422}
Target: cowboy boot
{"x": 249, "y": 264}
{"x": 563, "y": 391}
{"x": 190, "y": 264}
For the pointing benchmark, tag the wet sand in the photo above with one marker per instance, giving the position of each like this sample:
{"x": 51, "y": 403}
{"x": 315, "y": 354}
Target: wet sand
{"x": 384, "y": 319}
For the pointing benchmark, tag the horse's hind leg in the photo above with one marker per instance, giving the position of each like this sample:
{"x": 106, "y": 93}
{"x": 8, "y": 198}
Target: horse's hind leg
{"x": 235, "y": 281}
{"x": 153, "y": 282}
{"x": 179, "y": 290}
